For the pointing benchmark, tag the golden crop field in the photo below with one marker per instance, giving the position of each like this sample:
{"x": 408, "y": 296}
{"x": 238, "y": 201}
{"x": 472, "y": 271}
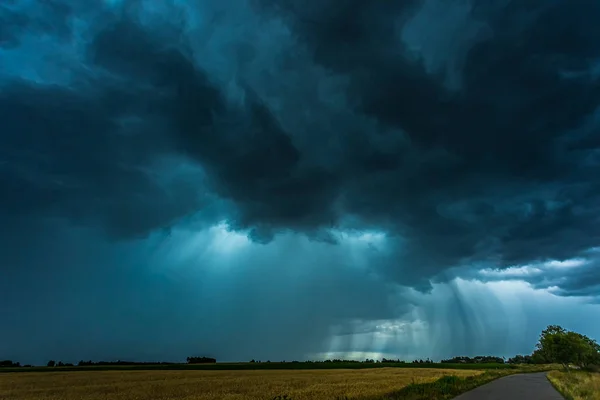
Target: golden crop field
{"x": 214, "y": 385}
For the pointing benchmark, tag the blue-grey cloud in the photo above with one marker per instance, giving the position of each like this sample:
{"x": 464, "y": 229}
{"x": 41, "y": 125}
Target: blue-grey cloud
{"x": 436, "y": 139}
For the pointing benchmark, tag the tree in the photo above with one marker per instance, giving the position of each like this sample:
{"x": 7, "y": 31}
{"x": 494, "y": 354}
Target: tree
{"x": 9, "y": 363}
{"x": 558, "y": 345}
{"x": 51, "y": 363}
{"x": 592, "y": 355}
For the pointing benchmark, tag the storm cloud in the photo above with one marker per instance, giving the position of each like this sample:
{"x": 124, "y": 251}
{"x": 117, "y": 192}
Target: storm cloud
{"x": 352, "y": 157}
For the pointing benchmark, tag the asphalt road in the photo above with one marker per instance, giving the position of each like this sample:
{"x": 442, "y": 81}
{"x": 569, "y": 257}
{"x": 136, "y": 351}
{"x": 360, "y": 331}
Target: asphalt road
{"x": 515, "y": 387}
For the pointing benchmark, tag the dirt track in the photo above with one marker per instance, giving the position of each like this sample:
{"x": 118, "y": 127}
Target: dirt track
{"x": 515, "y": 387}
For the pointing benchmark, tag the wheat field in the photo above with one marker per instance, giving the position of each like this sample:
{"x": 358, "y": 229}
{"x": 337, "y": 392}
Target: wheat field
{"x": 214, "y": 385}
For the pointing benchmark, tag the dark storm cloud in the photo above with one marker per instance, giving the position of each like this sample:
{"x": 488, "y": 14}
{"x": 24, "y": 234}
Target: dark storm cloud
{"x": 65, "y": 155}
{"x": 495, "y": 167}
{"x": 50, "y": 17}
{"x": 89, "y": 154}
{"x": 576, "y": 277}
{"x": 579, "y": 280}
{"x": 526, "y": 84}
{"x": 365, "y": 144}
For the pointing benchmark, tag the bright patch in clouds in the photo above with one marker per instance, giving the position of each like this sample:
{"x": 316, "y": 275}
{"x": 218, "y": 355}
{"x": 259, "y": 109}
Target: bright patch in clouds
{"x": 202, "y": 246}
{"x": 351, "y": 355}
{"x": 531, "y": 270}
{"x": 511, "y": 272}
{"x": 572, "y": 263}
{"x": 226, "y": 241}
{"x": 361, "y": 238}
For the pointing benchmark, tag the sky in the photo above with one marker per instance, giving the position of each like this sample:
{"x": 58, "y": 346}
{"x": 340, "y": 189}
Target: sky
{"x": 287, "y": 180}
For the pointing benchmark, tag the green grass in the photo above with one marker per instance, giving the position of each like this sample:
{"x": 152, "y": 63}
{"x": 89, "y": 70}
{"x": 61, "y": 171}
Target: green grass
{"x": 576, "y": 385}
{"x": 260, "y": 366}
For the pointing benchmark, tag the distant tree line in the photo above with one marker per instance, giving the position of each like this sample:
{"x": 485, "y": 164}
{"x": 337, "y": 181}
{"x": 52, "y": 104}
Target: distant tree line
{"x": 83, "y": 363}
{"x": 391, "y": 361}
{"x": 90, "y": 363}
{"x": 9, "y": 363}
{"x": 474, "y": 360}
{"x": 555, "y": 345}
{"x": 420, "y": 361}
{"x": 342, "y": 361}
{"x": 201, "y": 360}
{"x": 53, "y": 363}
{"x": 520, "y": 359}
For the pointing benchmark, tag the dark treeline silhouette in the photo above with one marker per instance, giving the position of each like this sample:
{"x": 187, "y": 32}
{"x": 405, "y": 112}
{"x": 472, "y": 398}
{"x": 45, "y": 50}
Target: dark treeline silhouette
{"x": 53, "y": 363}
{"x": 427, "y": 361}
{"x": 343, "y": 361}
{"x": 474, "y": 360}
{"x": 390, "y": 361}
{"x": 519, "y": 359}
{"x": 90, "y": 363}
{"x": 556, "y": 345}
{"x": 210, "y": 360}
{"x": 201, "y": 360}
{"x": 9, "y": 363}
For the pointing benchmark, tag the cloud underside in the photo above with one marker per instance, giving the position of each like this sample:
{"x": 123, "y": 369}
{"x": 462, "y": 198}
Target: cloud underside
{"x": 465, "y": 134}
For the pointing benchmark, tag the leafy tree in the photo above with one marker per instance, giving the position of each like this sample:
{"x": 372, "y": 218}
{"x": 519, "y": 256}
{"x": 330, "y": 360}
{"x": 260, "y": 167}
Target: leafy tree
{"x": 592, "y": 355}
{"x": 558, "y": 345}
{"x": 537, "y": 357}
{"x": 51, "y": 363}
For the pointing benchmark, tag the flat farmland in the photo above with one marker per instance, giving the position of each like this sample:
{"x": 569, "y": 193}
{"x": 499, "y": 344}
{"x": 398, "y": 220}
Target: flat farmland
{"x": 216, "y": 385}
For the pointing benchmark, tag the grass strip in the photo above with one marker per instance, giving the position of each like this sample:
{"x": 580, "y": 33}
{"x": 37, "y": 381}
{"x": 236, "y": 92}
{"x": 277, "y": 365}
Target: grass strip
{"x": 576, "y": 385}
